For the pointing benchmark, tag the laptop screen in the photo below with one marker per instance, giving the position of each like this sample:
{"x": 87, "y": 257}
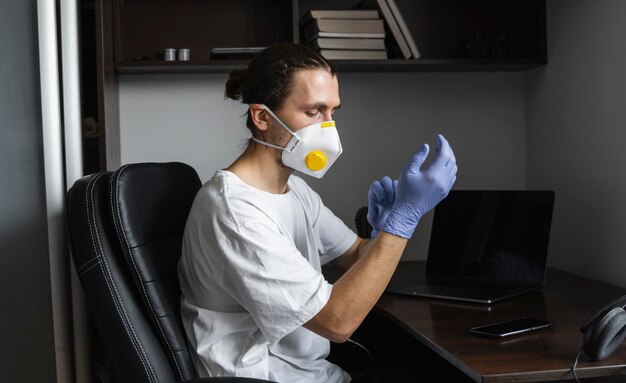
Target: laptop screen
{"x": 495, "y": 235}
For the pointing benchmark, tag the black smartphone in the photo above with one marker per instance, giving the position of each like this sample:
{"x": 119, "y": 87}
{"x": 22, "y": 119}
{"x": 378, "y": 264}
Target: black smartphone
{"x": 510, "y": 327}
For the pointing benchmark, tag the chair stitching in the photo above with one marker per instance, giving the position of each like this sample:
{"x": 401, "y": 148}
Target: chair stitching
{"x": 145, "y": 361}
{"x": 87, "y": 264}
{"x": 116, "y": 209}
{"x": 109, "y": 281}
{"x": 119, "y": 230}
{"x": 84, "y": 271}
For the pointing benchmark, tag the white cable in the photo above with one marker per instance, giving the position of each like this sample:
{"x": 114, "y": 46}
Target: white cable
{"x": 575, "y": 364}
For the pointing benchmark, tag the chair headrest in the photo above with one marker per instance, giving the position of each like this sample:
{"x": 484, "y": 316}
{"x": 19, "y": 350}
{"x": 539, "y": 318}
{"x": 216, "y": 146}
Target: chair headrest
{"x": 152, "y": 200}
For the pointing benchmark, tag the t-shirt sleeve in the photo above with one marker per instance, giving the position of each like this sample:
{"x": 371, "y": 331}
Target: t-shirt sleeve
{"x": 335, "y": 238}
{"x": 270, "y": 278}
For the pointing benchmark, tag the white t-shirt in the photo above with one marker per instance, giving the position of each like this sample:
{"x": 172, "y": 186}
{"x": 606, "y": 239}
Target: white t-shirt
{"x": 250, "y": 275}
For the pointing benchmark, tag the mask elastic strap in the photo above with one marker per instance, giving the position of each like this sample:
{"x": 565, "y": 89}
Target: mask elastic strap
{"x": 267, "y": 143}
{"x": 281, "y": 124}
{"x": 279, "y": 120}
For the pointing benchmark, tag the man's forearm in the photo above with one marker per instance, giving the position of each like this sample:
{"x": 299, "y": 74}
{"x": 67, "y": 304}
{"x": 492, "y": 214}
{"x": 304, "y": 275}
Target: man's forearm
{"x": 358, "y": 290}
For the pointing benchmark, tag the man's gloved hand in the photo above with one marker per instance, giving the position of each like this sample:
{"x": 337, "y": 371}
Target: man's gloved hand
{"x": 418, "y": 190}
{"x": 381, "y": 197}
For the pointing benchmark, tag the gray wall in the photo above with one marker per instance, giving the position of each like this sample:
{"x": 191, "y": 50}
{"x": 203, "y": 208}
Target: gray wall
{"x": 576, "y": 111}
{"x": 557, "y": 127}
{"x": 384, "y": 118}
{"x": 27, "y": 351}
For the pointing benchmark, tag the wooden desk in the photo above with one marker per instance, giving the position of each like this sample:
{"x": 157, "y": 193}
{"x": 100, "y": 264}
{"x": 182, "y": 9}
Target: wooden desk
{"x": 545, "y": 355}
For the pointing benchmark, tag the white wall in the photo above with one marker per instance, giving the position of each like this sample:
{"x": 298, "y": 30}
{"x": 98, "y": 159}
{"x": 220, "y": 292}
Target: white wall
{"x": 383, "y": 119}
{"x": 576, "y": 111}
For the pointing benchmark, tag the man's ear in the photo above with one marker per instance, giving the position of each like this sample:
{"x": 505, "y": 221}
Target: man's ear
{"x": 259, "y": 116}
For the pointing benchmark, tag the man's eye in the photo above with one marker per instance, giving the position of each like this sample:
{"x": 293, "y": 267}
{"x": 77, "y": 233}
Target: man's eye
{"x": 313, "y": 114}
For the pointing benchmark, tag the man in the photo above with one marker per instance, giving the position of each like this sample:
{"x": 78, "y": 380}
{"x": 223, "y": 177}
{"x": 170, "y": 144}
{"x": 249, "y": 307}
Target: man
{"x": 254, "y": 300}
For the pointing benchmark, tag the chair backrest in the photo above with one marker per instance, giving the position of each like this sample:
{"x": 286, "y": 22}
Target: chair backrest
{"x": 125, "y": 233}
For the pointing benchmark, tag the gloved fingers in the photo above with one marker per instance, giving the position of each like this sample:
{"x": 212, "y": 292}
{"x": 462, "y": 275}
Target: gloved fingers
{"x": 450, "y": 178}
{"x": 454, "y": 170}
{"x": 418, "y": 159}
{"x": 440, "y": 140}
{"x": 388, "y": 189}
{"x": 445, "y": 156}
{"x": 452, "y": 161}
{"x": 452, "y": 181}
{"x": 373, "y": 214}
{"x": 445, "y": 177}
{"x": 374, "y": 196}
{"x": 375, "y": 192}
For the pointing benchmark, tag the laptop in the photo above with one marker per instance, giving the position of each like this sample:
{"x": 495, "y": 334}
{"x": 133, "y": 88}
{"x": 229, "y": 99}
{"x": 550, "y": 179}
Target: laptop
{"x": 485, "y": 246}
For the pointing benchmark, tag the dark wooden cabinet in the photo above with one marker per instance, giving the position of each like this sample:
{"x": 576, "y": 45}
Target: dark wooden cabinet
{"x": 144, "y": 28}
{"x": 452, "y": 35}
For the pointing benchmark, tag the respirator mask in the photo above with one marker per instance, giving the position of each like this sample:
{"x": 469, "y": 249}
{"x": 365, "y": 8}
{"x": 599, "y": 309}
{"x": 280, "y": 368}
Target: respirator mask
{"x": 311, "y": 150}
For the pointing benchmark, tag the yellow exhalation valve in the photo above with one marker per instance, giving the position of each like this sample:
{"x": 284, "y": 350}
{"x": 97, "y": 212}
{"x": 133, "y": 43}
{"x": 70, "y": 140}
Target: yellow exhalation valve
{"x": 315, "y": 160}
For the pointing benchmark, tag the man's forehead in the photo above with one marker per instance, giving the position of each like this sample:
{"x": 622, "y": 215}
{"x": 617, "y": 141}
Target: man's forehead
{"x": 315, "y": 88}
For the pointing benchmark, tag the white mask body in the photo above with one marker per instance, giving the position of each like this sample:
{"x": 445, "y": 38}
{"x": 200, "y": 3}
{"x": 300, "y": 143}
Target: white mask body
{"x": 312, "y": 150}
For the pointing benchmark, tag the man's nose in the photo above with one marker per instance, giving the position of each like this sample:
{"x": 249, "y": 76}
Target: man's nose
{"x": 328, "y": 116}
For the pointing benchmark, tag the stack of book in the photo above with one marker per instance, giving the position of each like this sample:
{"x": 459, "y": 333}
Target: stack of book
{"x": 345, "y": 34}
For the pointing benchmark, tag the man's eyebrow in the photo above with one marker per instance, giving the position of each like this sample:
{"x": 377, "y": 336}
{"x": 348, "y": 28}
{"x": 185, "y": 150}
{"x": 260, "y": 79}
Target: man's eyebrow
{"x": 319, "y": 105}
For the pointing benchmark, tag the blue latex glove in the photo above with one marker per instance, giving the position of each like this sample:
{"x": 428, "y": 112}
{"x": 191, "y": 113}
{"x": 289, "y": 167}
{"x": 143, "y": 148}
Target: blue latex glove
{"x": 381, "y": 196}
{"x": 418, "y": 190}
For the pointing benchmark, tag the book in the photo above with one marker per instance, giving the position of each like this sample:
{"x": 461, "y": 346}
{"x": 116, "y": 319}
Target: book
{"x": 403, "y": 27}
{"x": 394, "y": 28}
{"x": 348, "y": 54}
{"x": 348, "y": 35}
{"x": 347, "y": 25}
{"x": 338, "y": 14}
{"x": 345, "y": 43}
{"x": 368, "y": 27}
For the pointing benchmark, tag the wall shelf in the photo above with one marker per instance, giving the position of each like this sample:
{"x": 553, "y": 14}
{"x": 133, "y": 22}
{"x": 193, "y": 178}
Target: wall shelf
{"x": 142, "y": 29}
{"x": 391, "y": 65}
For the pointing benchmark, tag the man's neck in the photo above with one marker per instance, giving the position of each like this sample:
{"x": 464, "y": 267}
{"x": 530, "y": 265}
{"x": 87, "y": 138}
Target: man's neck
{"x": 259, "y": 166}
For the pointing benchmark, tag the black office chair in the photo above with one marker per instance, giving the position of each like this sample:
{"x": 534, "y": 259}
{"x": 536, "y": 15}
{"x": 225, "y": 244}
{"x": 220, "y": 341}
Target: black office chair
{"x": 125, "y": 230}
{"x": 363, "y": 228}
